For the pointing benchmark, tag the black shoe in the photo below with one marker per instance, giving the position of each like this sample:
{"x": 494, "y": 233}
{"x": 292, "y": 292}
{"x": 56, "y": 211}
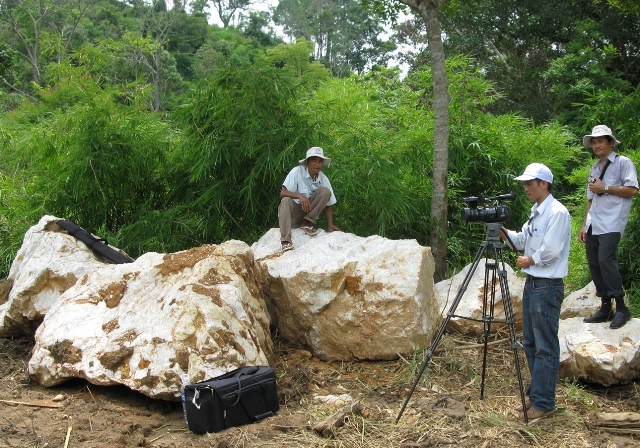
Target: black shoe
{"x": 599, "y": 316}
{"x": 621, "y": 318}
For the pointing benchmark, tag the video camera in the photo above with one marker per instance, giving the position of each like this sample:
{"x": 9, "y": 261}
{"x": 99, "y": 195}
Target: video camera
{"x": 479, "y": 212}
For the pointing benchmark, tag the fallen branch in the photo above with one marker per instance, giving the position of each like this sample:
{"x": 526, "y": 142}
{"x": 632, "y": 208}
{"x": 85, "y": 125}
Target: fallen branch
{"x": 66, "y": 441}
{"x": 36, "y": 405}
{"x": 619, "y": 420}
{"x": 159, "y": 437}
{"x": 328, "y": 426}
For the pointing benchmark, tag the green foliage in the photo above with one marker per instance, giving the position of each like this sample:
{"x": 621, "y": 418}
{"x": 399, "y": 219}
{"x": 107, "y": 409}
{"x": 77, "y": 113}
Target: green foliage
{"x": 16, "y": 215}
{"x": 7, "y": 58}
{"x": 108, "y": 163}
{"x": 186, "y": 36}
{"x": 487, "y": 151}
{"x": 225, "y": 48}
{"x": 589, "y": 72}
{"x": 294, "y": 61}
{"x": 630, "y": 6}
{"x": 373, "y": 131}
{"x": 346, "y": 35}
{"x": 242, "y": 131}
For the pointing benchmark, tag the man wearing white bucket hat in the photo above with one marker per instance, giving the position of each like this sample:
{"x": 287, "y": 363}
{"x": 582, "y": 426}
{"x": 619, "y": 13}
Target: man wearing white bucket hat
{"x": 545, "y": 240}
{"x": 611, "y": 186}
{"x": 305, "y": 193}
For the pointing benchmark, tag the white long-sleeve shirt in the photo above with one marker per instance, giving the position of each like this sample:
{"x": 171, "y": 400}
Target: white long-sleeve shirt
{"x": 546, "y": 238}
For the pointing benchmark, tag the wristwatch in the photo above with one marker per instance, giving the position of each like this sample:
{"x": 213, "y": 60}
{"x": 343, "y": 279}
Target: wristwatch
{"x": 606, "y": 189}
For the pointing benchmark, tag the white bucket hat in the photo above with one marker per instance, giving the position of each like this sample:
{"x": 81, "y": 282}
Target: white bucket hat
{"x": 536, "y": 171}
{"x": 316, "y": 151}
{"x": 599, "y": 131}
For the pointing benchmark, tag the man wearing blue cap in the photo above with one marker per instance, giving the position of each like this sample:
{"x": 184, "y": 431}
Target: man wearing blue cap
{"x": 305, "y": 193}
{"x": 612, "y": 184}
{"x": 545, "y": 238}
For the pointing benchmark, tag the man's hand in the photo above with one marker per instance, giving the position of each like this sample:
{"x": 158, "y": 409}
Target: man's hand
{"x": 332, "y": 228}
{"x": 582, "y": 235}
{"x": 597, "y": 187}
{"x": 524, "y": 262}
{"x": 305, "y": 203}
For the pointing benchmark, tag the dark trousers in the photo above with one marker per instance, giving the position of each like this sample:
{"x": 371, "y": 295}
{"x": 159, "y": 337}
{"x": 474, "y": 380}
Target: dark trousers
{"x": 603, "y": 263}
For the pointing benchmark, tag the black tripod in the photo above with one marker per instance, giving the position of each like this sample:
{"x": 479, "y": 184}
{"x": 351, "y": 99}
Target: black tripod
{"x": 491, "y": 250}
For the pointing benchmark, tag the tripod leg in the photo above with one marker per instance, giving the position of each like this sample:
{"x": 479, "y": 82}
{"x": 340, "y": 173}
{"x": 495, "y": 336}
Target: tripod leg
{"x": 511, "y": 323}
{"x": 450, "y": 314}
{"x": 489, "y": 291}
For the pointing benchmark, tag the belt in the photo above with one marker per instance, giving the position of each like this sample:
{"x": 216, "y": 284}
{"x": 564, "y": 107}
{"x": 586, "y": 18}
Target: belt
{"x": 531, "y": 277}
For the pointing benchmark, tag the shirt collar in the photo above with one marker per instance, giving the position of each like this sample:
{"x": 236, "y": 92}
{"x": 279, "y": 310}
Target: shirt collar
{"x": 543, "y": 205}
{"x": 611, "y": 158}
{"x": 308, "y": 176}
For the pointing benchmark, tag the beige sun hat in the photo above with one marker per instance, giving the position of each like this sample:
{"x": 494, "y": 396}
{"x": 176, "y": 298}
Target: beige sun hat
{"x": 599, "y": 131}
{"x": 316, "y": 151}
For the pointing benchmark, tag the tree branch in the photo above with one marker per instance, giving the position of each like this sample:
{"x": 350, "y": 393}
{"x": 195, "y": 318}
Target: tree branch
{"x": 18, "y": 90}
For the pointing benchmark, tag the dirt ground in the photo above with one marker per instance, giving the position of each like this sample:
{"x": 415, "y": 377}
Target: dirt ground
{"x": 445, "y": 410}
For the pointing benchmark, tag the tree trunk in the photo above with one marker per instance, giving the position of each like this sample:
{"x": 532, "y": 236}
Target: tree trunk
{"x": 428, "y": 11}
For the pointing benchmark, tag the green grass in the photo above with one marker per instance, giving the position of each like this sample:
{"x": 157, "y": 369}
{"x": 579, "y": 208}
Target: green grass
{"x": 576, "y": 393}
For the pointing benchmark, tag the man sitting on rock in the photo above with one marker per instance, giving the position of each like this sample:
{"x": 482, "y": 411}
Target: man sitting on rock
{"x": 305, "y": 193}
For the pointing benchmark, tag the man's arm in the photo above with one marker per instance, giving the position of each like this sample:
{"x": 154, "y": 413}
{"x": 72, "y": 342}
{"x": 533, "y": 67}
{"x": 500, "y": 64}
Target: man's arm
{"x": 304, "y": 201}
{"x": 582, "y": 235}
{"x": 623, "y": 191}
{"x": 328, "y": 214}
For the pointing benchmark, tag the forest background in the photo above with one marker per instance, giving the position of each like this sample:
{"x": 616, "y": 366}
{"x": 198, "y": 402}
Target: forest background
{"x": 148, "y": 125}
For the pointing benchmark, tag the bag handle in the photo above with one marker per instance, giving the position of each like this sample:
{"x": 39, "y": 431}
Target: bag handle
{"x": 245, "y": 371}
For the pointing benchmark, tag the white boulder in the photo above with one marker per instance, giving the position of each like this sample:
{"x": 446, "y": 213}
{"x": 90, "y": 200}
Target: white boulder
{"x": 49, "y": 262}
{"x": 598, "y": 354}
{"x": 580, "y": 303}
{"x": 347, "y": 297}
{"x": 143, "y": 324}
{"x": 471, "y": 302}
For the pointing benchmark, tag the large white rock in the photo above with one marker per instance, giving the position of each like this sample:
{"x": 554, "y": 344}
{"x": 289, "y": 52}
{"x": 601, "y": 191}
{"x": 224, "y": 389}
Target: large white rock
{"x": 598, "y": 354}
{"x": 347, "y": 297}
{"x": 580, "y": 303}
{"x": 49, "y": 262}
{"x": 471, "y": 302}
{"x": 143, "y": 324}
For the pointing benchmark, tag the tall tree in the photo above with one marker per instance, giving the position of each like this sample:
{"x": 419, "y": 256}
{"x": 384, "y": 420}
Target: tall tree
{"x": 428, "y": 11}
{"x": 346, "y": 35}
{"x": 226, "y": 9}
{"x": 29, "y": 21}
{"x": 158, "y": 23}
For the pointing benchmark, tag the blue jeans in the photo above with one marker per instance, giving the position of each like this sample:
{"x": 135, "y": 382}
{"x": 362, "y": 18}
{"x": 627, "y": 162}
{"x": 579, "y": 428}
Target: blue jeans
{"x": 541, "y": 303}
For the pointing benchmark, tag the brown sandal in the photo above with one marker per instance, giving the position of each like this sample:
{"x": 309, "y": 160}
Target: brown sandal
{"x": 309, "y": 230}
{"x": 286, "y": 245}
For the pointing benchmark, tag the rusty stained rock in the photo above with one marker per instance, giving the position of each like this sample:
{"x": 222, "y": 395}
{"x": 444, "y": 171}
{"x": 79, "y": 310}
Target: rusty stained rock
{"x": 142, "y": 324}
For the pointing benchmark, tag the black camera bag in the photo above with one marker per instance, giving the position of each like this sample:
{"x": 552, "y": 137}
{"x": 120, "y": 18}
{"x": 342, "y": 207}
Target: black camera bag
{"x": 242, "y": 396}
{"x": 98, "y": 246}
